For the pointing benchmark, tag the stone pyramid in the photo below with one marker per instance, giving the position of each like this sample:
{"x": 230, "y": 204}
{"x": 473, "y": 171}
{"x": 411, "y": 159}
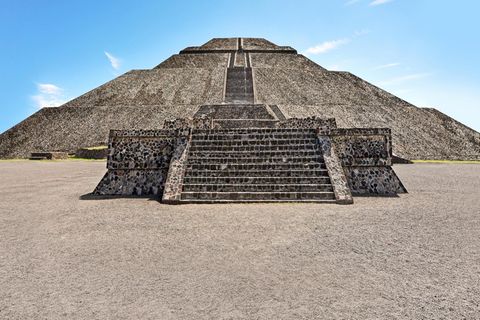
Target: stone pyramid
{"x": 294, "y": 87}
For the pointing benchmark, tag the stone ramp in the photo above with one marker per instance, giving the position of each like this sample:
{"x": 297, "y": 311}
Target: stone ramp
{"x": 255, "y": 165}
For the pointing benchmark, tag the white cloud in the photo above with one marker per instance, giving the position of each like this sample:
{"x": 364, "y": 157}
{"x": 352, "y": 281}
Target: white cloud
{"x": 385, "y": 66}
{"x": 48, "y": 88}
{"x": 114, "y": 61}
{"x": 48, "y": 95}
{"x": 327, "y": 46}
{"x": 406, "y": 78}
{"x": 379, "y": 2}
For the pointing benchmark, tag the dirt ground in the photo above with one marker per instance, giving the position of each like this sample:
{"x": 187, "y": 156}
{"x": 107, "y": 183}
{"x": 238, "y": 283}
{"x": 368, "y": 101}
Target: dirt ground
{"x": 412, "y": 257}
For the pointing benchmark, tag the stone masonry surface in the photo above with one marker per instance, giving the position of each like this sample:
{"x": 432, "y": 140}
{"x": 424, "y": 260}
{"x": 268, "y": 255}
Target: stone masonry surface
{"x": 374, "y": 181}
{"x": 367, "y": 147}
{"x": 137, "y": 163}
{"x": 132, "y": 182}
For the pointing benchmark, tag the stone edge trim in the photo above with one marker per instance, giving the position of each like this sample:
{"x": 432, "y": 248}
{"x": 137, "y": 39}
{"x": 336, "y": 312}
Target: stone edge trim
{"x": 172, "y": 191}
{"x": 337, "y": 176}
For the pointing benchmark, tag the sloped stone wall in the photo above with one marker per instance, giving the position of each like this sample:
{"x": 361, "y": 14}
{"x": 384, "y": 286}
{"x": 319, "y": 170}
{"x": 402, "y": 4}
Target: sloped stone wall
{"x": 374, "y": 180}
{"x": 137, "y": 163}
{"x": 366, "y": 156}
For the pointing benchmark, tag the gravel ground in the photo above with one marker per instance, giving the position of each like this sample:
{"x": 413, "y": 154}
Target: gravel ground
{"x": 412, "y": 257}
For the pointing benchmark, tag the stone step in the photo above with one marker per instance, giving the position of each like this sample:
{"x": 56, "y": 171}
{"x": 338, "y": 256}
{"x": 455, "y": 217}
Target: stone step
{"x": 254, "y": 166}
{"x": 252, "y": 130}
{"x": 253, "y": 136}
{"x": 262, "y": 160}
{"x": 254, "y": 148}
{"x": 258, "y": 173}
{"x": 271, "y": 196}
{"x": 257, "y": 180}
{"x": 239, "y": 93}
{"x": 242, "y": 123}
{"x": 240, "y": 142}
{"x": 239, "y": 87}
{"x": 257, "y": 188}
{"x": 212, "y": 201}
{"x": 233, "y": 92}
{"x": 256, "y": 154}
{"x": 239, "y": 98}
{"x": 38, "y": 158}
{"x": 238, "y": 81}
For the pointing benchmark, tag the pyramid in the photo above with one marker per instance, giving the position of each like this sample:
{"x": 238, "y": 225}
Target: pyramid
{"x": 144, "y": 99}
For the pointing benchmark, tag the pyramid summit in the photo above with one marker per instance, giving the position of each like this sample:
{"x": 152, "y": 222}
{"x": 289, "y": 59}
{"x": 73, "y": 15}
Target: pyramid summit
{"x": 275, "y": 75}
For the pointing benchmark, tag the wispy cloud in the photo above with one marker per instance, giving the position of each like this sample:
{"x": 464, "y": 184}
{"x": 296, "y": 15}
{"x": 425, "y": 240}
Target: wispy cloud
{"x": 362, "y": 32}
{"x": 379, "y": 2}
{"x": 114, "y": 61}
{"x": 334, "y": 44}
{"x": 48, "y": 95}
{"x": 388, "y": 65}
{"x": 351, "y": 2}
{"x": 402, "y": 79}
{"x": 327, "y": 46}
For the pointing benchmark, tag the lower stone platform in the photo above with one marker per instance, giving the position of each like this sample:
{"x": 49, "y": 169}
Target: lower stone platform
{"x": 199, "y": 161}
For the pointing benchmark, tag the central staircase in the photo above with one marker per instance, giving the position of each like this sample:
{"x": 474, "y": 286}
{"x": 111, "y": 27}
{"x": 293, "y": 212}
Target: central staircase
{"x": 239, "y": 87}
{"x": 256, "y": 165}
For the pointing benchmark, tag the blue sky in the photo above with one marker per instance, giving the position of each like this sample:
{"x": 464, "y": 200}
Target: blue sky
{"x": 425, "y": 52}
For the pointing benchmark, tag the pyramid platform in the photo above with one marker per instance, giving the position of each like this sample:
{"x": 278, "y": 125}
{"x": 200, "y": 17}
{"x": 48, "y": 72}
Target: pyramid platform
{"x": 144, "y": 99}
{"x": 243, "y": 119}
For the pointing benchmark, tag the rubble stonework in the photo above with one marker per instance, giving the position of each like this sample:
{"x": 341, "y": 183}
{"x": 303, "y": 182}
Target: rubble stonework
{"x": 366, "y": 155}
{"x": 370, "y": 180}
{"x": 297, "y": 160}
{"x": 137, "y": 162}
{"x": 368, "y": 147}
{"x": 305, "y": 123}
